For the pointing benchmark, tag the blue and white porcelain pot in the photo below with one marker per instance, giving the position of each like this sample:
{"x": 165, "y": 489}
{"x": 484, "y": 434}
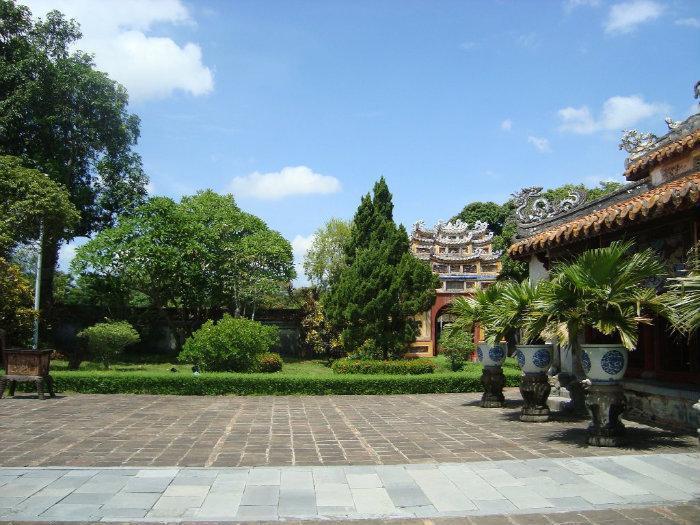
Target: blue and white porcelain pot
{"x": 491, "y": 355}
{"x": 534, "y": 359}
{"x": 604, "y": 363}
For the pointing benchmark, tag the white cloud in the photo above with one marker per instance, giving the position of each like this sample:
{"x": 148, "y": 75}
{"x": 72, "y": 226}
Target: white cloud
{"x": 507, "y": 125}
{"x": 616, "y": 114}
{"x": 625, "y": 17}
{"x": 291, "y": 180}
{"x": 528, "y": 40}
{"x": 540, "y": 143}
{"x": 468, "y": 46}
{"x": 116, "y": 31}
{"x": 688, "y": 22}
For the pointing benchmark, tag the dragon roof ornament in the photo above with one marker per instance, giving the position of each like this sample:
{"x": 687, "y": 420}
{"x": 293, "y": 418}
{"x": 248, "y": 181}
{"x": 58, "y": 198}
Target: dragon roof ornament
{"x": 531, "y": 207}
{"x": 637, "y": 143}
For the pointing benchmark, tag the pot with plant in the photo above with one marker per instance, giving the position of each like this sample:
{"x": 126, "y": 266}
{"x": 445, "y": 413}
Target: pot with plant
{"x": 510, "y": 316}
{"x": 476, "y": 310}
{"x": 605, "y": 290}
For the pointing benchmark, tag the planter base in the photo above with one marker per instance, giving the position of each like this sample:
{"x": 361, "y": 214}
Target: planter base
{"x": 493, "y": 380}
{"x": 39, "y": 381}
{"x": 606, "y": 403}
{"x": 535, "y": 388}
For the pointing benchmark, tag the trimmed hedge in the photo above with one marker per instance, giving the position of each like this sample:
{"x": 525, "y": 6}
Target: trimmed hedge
{"x": 373, "y": 366}
{"x": 93, "y": 382}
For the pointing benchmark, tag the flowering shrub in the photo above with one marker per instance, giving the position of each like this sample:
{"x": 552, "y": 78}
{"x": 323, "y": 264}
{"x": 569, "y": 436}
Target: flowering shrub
{"x": 371, "y": 366}
{"x": 270, "y": 362}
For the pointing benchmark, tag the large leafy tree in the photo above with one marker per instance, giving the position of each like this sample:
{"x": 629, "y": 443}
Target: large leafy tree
{"x": 191, "y": 259}
{"x": 324, "y": 261}
{"x": 375, "y": 297}
{"x": 68, "y": 120}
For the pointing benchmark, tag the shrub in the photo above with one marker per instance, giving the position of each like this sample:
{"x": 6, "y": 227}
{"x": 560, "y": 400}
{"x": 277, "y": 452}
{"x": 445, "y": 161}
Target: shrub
{"x": 456, "y": 345}
{"x": 367, "y": 351}
{"x": 16, "y": 313}
{"x": 397, "y": 367}
{"x": 270, "y": 362}
{"x": 99, "y": 382}
{"x": 106, "y": 341}
{"x": 229, "y": 345}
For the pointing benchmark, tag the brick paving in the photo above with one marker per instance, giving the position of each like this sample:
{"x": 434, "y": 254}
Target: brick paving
{"x": 133, "y": 430}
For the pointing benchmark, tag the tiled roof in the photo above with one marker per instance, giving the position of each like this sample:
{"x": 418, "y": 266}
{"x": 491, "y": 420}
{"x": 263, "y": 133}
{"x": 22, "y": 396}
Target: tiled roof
{"x": 678, "y": 194}
{"x": 638, "y": 168}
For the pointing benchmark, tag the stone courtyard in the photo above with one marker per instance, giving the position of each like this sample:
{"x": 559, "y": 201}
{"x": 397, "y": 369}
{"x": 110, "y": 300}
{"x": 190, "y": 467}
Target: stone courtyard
{"x": 145, "y": 431}
{"x": 436, "y": 457}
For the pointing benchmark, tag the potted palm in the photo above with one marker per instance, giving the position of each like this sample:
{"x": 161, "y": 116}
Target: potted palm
{"x": 476, "y": 310}
{"x": 606, "y": 290}
{"x": 510, "y": 317}
{"x": 683, "y": 302}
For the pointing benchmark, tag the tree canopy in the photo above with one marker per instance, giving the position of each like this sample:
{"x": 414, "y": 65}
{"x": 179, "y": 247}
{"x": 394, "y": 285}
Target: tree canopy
{"x": 375, "y": 297}
{"x": 196, "y": 256}
{"x": 30, "y": 198}
{"x": 324, "y": 261}
{"x": 66, "y": 119}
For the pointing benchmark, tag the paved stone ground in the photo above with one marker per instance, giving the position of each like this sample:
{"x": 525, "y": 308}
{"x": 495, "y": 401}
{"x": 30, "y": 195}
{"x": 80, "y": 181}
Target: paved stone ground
{"x": 142, "y": 431}
{"x": 514, "y": 487}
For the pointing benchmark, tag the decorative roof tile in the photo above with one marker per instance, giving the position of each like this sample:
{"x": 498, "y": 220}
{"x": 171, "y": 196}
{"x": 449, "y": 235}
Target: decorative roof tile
{"x": 639, "y": 168}
{"x": 675, "y": 195}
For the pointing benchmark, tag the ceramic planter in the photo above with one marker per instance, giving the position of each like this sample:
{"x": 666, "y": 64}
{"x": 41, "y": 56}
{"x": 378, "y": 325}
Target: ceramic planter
{"x": 604, "y": 363}
{"x": 534, "y": 359}
{"x": 491, "y": 355}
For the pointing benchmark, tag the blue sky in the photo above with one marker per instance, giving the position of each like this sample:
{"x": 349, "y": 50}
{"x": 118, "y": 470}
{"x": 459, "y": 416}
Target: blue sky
{"x": 297, "y": 107}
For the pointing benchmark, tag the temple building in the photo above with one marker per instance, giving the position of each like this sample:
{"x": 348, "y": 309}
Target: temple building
{"x": 464, "y": 260}
{"x": 658, "y": 208}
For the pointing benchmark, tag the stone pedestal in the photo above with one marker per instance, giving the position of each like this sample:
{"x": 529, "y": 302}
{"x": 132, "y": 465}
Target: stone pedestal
{"x": 696, "y": 407}
{"x": 493, "y": 380}
{"x": 535, "y": 388}
{"x": 606, "y": 403}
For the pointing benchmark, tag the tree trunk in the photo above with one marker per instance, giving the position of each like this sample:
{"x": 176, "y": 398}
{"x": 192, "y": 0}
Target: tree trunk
{"x": 49, "y": 259}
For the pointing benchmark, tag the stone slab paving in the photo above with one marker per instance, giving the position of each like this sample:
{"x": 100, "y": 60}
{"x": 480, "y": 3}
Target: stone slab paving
{"x": 544, "y": 486}
{"x": 140, "y": 430}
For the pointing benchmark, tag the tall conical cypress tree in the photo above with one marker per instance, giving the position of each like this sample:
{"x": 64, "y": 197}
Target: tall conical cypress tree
{"x": 375, "y": 298}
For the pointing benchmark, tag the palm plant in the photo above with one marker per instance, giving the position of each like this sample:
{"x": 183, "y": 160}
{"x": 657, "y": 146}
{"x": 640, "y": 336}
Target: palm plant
{"x": 476, "y": 309}
{"x": 509, "y": 315}
{"x": 683, "y": 297}
{"x": 604, "y": 288}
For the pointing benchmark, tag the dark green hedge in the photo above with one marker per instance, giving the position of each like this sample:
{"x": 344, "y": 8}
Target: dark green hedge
{"x": 371, "y": 366}
{"x": 265, "y": 384}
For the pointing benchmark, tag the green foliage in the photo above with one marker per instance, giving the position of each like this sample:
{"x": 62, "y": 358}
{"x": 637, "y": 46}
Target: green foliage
{"x": 229, "y": 345}
{"x": 683, "y": 297}
{"x": 391, "y": 367}
{"x": 476, "y": 309}
{"x": 509, "y": 316}
{"x": 67, "y": 119}
{"x": 270, "y": 362}
{"x": 30, "y": 198}
{"x": 196, "y": 256}
{"x": 16, "y": 305}
{"x": 383, "y": 286}
{"x": 107, "y": 341}
{"x": 271, "y": 384}
{"x": 325, "y": 260}
{"x": 456, "y": 345}
{"x": 316, "y": 335}
{"x": 604, "y": 288}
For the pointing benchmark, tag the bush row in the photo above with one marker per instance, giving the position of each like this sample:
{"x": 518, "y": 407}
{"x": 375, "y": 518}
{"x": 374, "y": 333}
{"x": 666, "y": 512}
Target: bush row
{"x": 265, "y": 384}
{"x": 372, "y": 366}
